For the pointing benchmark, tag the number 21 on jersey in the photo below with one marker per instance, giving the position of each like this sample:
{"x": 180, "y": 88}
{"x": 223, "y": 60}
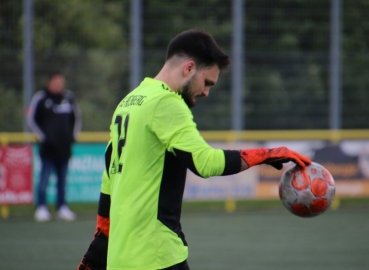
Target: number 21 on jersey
{"x": 122, "y": 138}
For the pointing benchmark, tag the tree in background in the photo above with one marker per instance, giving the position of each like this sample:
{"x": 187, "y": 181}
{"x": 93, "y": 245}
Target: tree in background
{"x": 83, "y": 39}
{"x": 287, "y": 57}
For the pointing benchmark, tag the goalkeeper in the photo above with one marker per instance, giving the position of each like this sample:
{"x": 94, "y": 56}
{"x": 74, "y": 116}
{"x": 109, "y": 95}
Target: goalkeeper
{"x": 153, "y": 140}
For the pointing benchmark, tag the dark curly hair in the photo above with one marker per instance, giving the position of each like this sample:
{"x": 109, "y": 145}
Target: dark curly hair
{"x": 199, "y": 46}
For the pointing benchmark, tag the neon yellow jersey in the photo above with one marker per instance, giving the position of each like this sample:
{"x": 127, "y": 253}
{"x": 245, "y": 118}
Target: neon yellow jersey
{"x": 153, "y": 142}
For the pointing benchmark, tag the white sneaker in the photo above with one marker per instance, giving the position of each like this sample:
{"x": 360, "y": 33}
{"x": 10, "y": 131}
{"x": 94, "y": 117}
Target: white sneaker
{"x": 42, "y": 214}
{"x": 65, "y": 213}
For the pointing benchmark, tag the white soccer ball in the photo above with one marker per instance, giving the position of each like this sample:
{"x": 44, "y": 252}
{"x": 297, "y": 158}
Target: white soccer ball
{"x": 307, "y": 192}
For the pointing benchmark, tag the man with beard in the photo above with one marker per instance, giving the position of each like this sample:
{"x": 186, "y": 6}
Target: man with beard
{"x": 153, "y": 140}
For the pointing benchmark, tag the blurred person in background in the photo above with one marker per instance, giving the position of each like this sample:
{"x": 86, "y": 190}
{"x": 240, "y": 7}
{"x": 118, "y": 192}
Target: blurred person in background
{"x": 53, "y": 115}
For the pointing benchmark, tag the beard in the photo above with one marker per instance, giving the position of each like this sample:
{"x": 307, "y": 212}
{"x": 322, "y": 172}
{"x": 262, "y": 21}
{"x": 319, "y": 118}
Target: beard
{"x": 186, "y": 93}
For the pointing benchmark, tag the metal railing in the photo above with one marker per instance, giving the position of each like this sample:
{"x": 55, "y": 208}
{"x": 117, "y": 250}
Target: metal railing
{"x": 225, "y": 136}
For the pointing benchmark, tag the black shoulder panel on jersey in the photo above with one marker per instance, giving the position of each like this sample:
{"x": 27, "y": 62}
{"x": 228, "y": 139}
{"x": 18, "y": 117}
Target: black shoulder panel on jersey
{"x": 108, "y": 151}
{"x": 104, "y": 205}
{"x": 186, "y": 159}
{"x": 232, "y": 162}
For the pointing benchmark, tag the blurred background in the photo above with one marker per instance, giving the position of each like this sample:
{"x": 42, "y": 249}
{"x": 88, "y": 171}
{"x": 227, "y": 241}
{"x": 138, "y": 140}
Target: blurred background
{"x": 286, "y": 57}
{"x": 298, "y": 77}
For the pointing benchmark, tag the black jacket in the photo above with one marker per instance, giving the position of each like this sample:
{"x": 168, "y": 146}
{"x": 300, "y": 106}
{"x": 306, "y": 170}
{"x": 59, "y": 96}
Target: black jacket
{"x": 56, "y": 121}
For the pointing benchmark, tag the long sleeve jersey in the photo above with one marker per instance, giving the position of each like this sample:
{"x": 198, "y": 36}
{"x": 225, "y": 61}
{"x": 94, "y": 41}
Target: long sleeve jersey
{"x": 153, "y": 140}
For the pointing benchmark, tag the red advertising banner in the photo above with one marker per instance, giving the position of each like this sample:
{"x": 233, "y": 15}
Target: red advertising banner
{"x": 16, "y": 174}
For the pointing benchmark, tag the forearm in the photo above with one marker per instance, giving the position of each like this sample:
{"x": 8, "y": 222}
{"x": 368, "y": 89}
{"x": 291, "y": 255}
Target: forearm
{"x": 233, "y": 162}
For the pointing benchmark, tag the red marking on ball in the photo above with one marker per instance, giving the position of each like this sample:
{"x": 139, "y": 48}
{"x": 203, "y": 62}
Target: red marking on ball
{"x": 300, "y": 180}
{"x": 319, "y": 187}
{"x": 318, "y": 205}
{"x": 300, "y": 210}
{"x": 328, "y": 177}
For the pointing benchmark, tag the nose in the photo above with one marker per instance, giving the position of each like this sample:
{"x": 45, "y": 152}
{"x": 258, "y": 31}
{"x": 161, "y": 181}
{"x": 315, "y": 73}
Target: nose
{"x": 205, "y": 93}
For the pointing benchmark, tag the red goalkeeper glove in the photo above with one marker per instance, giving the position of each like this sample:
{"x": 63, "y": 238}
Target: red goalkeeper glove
{"x": 96, "y": 255}
{"x": 274, "y": 157}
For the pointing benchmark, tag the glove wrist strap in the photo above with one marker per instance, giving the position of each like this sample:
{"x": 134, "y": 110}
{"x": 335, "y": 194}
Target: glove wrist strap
{"x": 103, "y": 225}
{"x": 254, "y": 156}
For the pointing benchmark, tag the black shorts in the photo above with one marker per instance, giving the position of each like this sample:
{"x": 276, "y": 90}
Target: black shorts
{"x": 180, "y": 266}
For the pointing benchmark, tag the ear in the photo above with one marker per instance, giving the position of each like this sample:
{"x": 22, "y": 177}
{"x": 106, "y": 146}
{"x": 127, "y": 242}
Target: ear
{"x": 189, "y": 68}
